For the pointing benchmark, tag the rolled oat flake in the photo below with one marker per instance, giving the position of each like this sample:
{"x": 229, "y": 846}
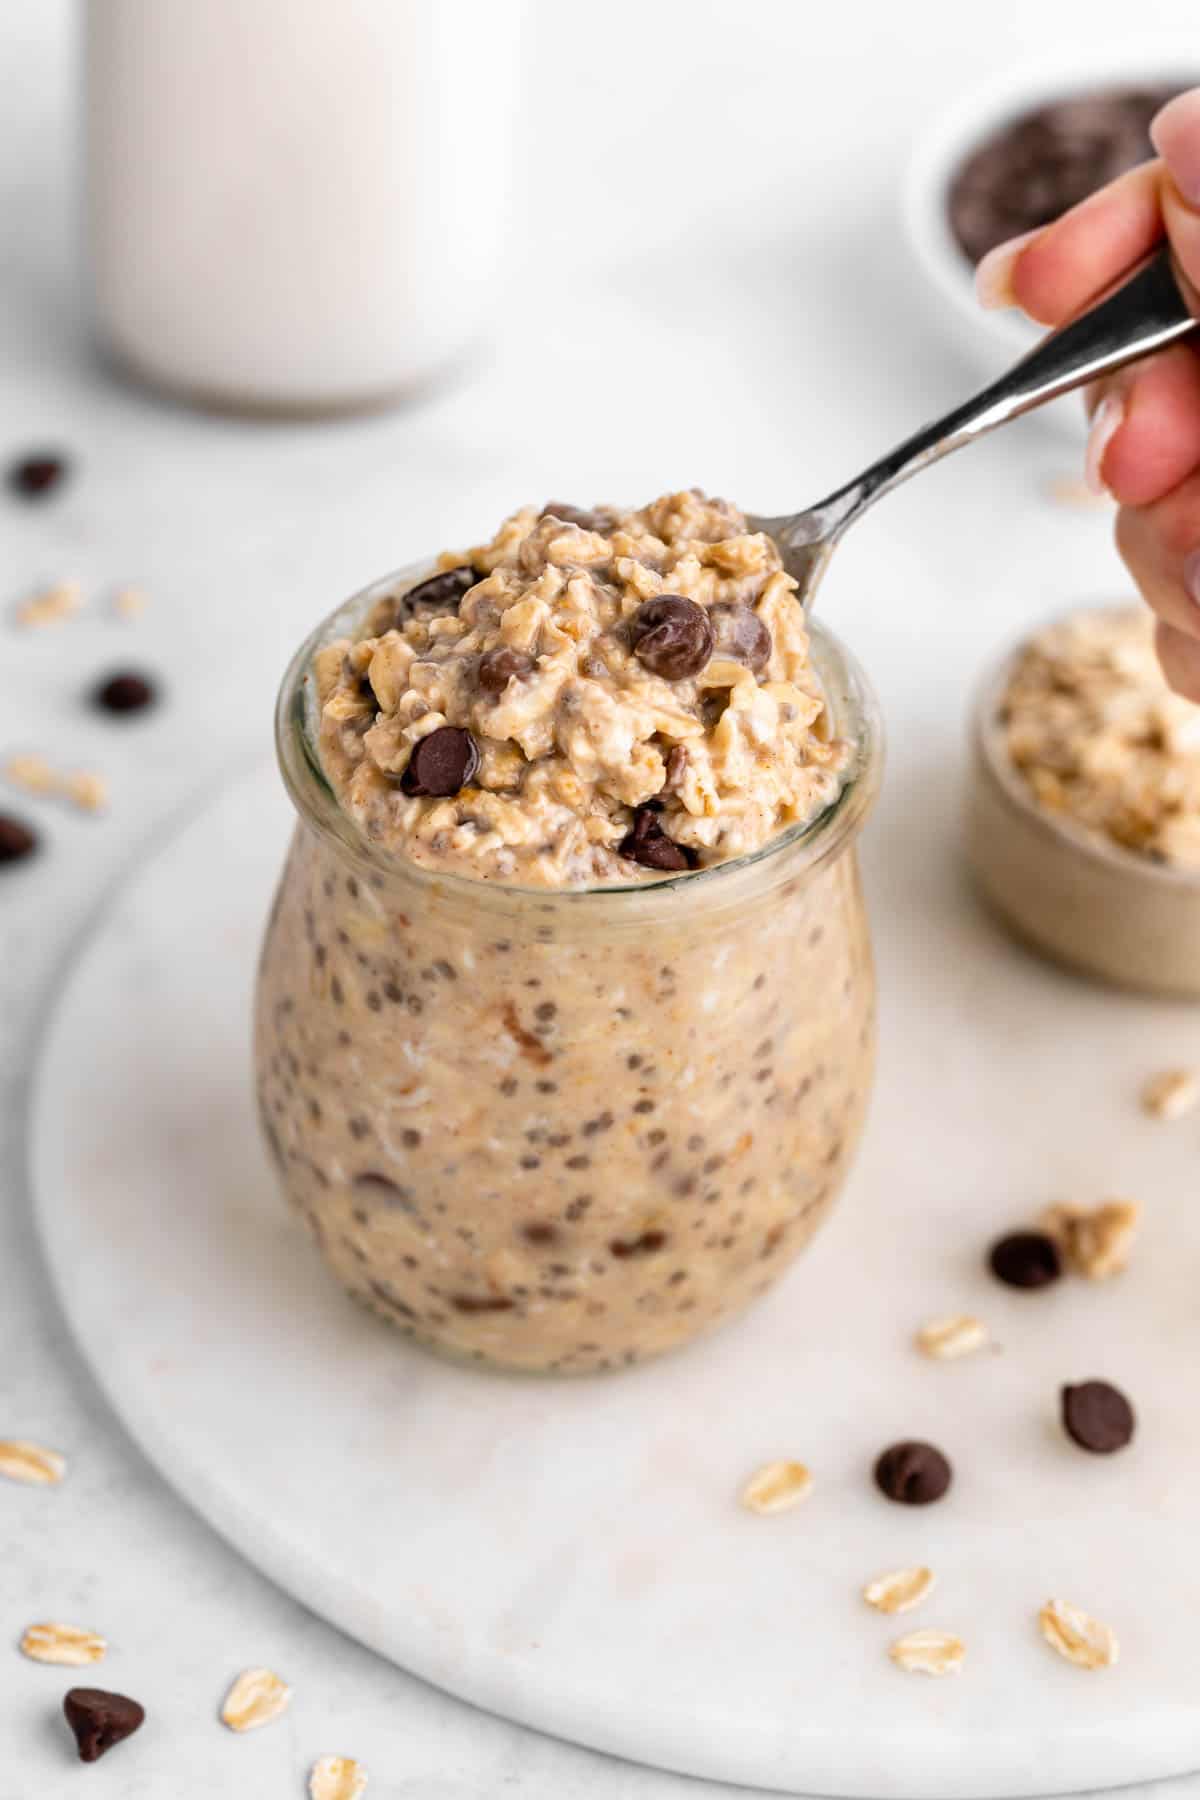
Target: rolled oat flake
{"x": 1097, "y": 1417}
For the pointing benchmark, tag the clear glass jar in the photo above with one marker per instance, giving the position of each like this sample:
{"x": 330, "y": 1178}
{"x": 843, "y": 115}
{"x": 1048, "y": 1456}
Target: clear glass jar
{"x": 564, "y": 1131}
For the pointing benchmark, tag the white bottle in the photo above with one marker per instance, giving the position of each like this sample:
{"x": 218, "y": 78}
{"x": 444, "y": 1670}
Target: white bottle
{"x": 297, "y": 205}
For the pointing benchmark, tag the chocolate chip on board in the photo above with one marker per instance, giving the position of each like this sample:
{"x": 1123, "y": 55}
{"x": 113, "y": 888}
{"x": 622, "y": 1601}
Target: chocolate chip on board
{"x": 1097, "y": 1417}
{"x": 17, "y": 840}
{"x": 649, "y": 844}
{"x": 672, "y": 636}
{"x": 100, "y": 1719}
{"x": 436, "y": 595}
{"x": 913, "y": 1473}
{"x": 442, "y": 763}
{"x": 497, "y": 667}
{"x": 1025, "y": 1259}
{"x": 742, "y": 636}
{"x": 38, "y": 474}
{"x": 125, "y": 692}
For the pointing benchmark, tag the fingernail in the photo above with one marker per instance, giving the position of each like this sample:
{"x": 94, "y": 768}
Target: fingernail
{"x": 994, "y": 273}
{"x": 1191, "y": 575}
{"x": 1106, "y": 422}
{"x": 1175, "y": 134}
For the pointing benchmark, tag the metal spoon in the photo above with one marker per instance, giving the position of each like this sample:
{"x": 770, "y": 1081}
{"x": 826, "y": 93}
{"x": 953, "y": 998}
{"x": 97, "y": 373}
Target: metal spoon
{"x": 1147, "y": 311}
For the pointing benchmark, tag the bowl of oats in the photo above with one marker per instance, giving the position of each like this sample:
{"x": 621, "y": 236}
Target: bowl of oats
{"x": 1083, "y": 813}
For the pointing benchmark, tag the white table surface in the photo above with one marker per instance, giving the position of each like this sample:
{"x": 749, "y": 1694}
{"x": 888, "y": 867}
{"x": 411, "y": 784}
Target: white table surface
{"x": 725, "y": 302}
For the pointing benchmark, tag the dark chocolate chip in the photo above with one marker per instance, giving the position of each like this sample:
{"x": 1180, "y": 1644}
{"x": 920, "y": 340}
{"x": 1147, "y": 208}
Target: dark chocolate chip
{"x": 437, "y": 595}
{"x": 17, "y": 840}
{"x": 36, "y": 475}
{"x": 646, "y": 1245}
{"x": 575, "y": 515}
{"x": 912, "y": 1473}
{"x": 1097, "y": 1417}
{"x": 441, "y": 763}
{"x": 125, "y": 693}
{"x": 647, "y": 843}
{"x": 671, "y": 636}
{"x": 497, "y": 667}
{"x": 1025, "y": 1259}
{"x": 742, "y": 636}
{"x": 100, "y": 1719}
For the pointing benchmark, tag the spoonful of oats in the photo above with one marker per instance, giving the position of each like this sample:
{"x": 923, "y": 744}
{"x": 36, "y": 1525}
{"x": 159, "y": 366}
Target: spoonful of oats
{"x": 1145, "y": 313}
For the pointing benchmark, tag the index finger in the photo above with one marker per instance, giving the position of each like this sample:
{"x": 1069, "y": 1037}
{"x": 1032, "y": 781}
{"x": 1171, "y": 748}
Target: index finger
{"x": 1078, "y": 256}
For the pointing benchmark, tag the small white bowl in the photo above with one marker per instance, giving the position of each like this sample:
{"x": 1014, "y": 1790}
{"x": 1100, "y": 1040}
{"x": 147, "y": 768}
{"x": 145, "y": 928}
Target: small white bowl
{"x": 1066, "y": 892}
{"x": 996, "y": 339}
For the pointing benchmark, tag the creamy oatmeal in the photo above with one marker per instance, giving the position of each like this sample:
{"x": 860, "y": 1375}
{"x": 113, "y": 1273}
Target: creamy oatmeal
{"x": 1093, "y": 729}
{"x": 542, "y": 1128}
{"x": 589, "y": 698}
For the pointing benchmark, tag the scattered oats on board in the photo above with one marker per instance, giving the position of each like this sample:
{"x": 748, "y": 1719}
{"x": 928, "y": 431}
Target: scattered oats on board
{"x": 899, "y": 1590}
{"x": 50, "y": 604}
{"x": 256, "y": 1697}
{"x": 130, "y": 602}
{"x": 85, "y": 789}
{"x": 336, "y": 1778}
{"x": 957, "y": 1334}
{"x": 65, "y": 1644}
{"x": 776, "y": 1487}
{"x": 1171, "y": 1093}
{"x": 1082, "y": 1640}
{"x": 928, "y": 1653}
{"x": 32, "y": 773}
{"x": 1096, "y": 1241}
{"x": 21, "y": 1461}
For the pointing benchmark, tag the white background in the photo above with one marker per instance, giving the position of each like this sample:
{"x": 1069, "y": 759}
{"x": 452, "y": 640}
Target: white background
{"x": 711, "y": 288}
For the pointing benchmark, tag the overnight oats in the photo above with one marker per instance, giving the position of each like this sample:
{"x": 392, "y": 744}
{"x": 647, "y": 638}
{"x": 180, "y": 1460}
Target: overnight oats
{"x": 565, "y": 1011}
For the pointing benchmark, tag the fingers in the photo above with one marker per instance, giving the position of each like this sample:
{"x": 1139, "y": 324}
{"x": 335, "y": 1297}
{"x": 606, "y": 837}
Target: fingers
{"x": 1179, "y": 656}
{"x": 1053, "y": 273}
{"x": 1145, "y": 437}
{"x": 1160, "y": 546}
{"x": 1090, "y": 247}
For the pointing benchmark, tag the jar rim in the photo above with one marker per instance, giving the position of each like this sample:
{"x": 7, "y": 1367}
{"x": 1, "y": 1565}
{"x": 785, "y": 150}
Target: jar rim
{"x": 793, "y": 852}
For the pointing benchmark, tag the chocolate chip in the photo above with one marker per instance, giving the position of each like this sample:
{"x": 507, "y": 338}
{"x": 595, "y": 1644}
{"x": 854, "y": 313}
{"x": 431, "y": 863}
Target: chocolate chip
{"x": 742, "y": 636}
{"x": 649, "y": 844}
{"x": 480, "y": 1303}
{"x": 17, "y": 840}
{"x": 435, "y": 596}
{"x": 574, "y": 515}
{"x": 1097, "y": 1417}
{"x": 37, "y": 474}
{"x": 124, "y": 693}
{"x": 496, "y": 668}
{"x": 1025, "y": 1259}
{"x": 912, "y": 1473}
{"x": 442, "y": 763}
{"x": 100, "y": 1719}
{"x": 646, "y": 1245}
{"x": 671, "y": 636}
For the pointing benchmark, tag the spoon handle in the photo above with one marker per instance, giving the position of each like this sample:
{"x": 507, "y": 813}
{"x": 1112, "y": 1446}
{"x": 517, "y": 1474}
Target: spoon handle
{"x": 1144, "y": 314}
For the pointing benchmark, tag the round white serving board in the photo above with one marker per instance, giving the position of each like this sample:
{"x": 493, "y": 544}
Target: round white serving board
{"x": 572, "y": 1554}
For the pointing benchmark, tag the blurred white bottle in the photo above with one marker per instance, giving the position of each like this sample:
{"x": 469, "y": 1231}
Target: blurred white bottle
{"x": 297, "y": 205}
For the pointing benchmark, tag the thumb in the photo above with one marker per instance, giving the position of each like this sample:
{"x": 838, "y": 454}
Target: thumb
{"x": 1176, "y": 136}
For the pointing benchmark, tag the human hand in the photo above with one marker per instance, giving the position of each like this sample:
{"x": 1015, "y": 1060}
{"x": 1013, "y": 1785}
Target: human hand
{"x": 1144, "y": 444}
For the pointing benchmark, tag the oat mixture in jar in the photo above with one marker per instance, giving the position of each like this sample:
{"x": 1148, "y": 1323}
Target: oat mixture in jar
{"x": 565, "y": 1035}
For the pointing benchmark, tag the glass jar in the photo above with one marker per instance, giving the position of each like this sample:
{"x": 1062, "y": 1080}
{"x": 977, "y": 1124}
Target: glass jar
{"x": 564, "y": 1131}
{"x": 297, "y": 206}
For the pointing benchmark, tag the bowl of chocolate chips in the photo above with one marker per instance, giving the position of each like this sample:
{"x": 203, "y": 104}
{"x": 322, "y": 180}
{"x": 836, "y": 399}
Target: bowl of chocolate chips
{"x": 1016, "y": 153}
